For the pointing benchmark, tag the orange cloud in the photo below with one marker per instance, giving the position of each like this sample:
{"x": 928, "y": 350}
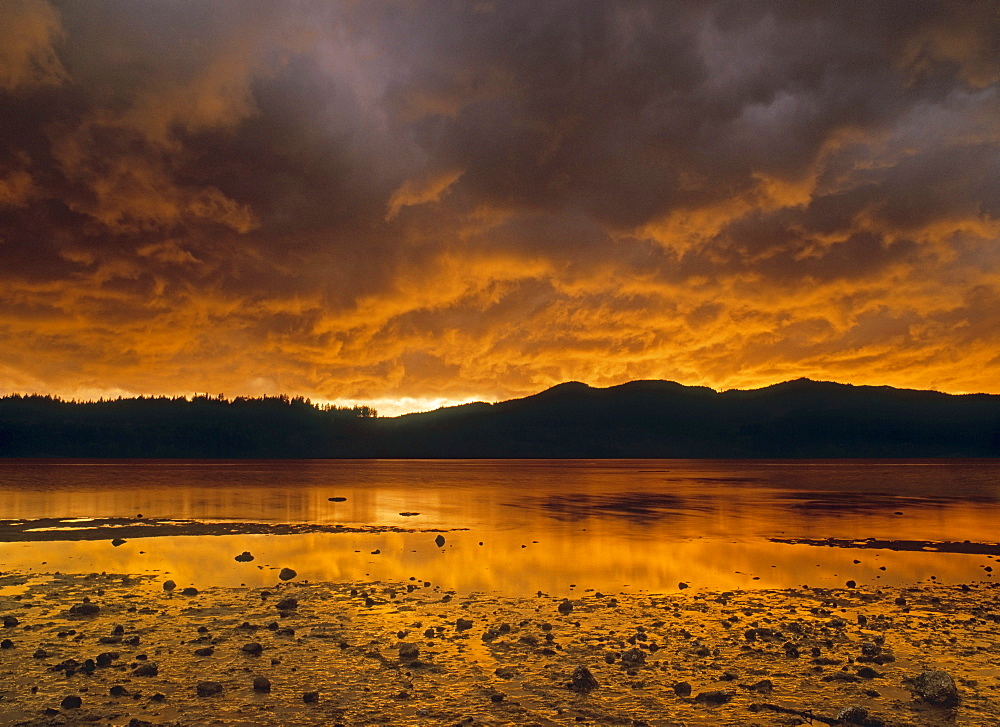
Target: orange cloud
{"x": 414, "y": 192}
{"x": 360, "y": 204}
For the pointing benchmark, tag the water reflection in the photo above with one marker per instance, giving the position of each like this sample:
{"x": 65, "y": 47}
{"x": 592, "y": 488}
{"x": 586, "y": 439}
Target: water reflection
{"x": 543, "y": 525}
{"x": 639, "y": 507}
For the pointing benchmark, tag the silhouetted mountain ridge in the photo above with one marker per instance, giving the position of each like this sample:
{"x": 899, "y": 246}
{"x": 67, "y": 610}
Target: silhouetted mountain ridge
{"x": 793, "y": 419}
{"x": 800, "y": 418}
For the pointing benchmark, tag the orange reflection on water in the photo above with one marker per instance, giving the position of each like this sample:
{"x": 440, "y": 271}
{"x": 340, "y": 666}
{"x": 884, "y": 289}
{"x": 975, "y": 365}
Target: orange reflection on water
{"x": 543, "y": 525}
{"x": 500, "y": 564}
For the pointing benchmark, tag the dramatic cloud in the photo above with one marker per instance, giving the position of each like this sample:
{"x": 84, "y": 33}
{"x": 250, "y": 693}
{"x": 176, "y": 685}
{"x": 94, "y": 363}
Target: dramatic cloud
{"x": 411, "y": 203}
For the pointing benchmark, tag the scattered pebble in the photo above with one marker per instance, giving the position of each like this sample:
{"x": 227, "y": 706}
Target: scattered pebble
{"x": 853, "y": 715}
{"x": 682, "y": 689}
{"x": 253, "y": 648}
{"x": 715, "y": 696}
{"x": 208, "y": 689}
{"x": 413, "y": 655}
{"x": 146, "y": 670}
{"x": 85, "y": 609}
{"x": 582, "y": 680}
{"x": 71, "y": 701}
{"x": 936, "y": 687}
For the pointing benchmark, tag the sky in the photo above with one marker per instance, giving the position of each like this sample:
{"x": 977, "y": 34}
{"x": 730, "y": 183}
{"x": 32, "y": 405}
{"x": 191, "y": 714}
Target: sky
{"x": 409, "y": 204}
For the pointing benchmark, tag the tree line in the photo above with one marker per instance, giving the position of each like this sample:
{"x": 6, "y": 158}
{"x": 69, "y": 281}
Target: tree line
{"x": 36, "y": 425}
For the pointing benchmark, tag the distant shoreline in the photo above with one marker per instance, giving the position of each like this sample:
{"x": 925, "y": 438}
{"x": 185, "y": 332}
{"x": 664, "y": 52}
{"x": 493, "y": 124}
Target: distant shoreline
{"x": 799, "y": 419}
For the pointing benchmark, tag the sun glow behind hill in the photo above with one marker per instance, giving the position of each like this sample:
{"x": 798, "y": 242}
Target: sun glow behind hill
{"x": 404, "y": 405}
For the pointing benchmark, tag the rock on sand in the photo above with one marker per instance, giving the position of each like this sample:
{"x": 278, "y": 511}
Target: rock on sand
{"x": 936, "y": 687}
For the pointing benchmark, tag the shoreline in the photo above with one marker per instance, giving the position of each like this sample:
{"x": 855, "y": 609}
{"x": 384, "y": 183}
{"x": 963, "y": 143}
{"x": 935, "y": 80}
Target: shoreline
{"x": 99, "y": 528}
{"x": 408, "y": 652}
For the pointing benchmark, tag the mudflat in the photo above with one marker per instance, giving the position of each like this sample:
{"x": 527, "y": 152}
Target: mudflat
{"x": 124, "y": 650}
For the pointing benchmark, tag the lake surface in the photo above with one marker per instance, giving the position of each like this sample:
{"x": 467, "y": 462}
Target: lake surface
{"x": 517, "y": 526}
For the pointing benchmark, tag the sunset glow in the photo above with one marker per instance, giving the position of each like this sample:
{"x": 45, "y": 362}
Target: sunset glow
{"x": 411, "y": 204}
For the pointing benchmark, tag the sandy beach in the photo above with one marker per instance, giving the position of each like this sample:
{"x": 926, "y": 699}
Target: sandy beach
{"x": 118, "y": 650}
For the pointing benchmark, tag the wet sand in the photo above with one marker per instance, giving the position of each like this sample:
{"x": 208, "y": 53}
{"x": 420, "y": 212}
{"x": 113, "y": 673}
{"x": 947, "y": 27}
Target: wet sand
{"x": 380, "y": 653}
{"x": 912, "y": 546}
{"x": 61, "y": 529}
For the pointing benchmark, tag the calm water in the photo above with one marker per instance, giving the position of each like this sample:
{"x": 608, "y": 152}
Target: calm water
{"x": 521, "y": 526}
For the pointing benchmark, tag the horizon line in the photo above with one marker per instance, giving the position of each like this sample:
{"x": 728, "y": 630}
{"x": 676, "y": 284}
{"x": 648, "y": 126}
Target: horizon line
{"x": 390, "y": 405}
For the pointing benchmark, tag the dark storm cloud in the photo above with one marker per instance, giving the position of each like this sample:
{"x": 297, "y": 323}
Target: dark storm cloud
{"x": 421, "y": 199}
{"x": 635, "y": 109}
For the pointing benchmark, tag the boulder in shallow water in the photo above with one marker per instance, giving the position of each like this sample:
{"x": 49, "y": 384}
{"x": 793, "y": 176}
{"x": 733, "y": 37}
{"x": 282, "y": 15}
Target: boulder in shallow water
{"x": 936, "y": 687}
{"x": 118, "y": 541}
{"x": 261, "y": 684}
{"x": 287, "y": 574}
{"x": 582, "y": 680}
{"x": 244, "y": 557}
{"x": 169, "y": 585}
{"x": 85, "y": 609}
{"x": 439, "y": 541}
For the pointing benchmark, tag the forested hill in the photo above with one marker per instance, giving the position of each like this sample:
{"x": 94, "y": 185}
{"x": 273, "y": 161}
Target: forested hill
{"x": 154, "y": 427}
{"x": 795, "y": 419}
